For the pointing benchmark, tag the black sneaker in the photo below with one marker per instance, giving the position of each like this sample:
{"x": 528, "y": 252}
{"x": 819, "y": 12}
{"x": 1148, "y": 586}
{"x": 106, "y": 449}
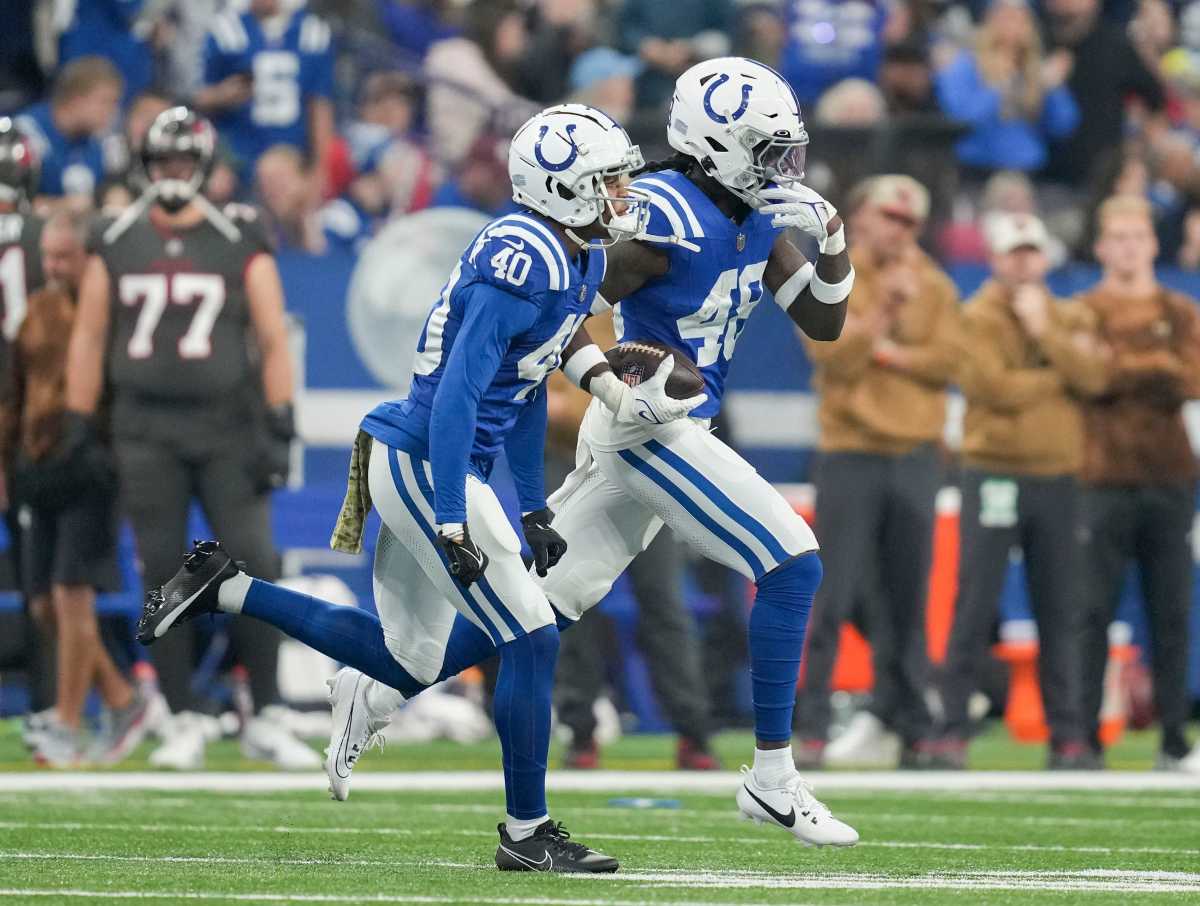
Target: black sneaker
{"x": 550, "y": 848}
{"x": 191, "y": 592}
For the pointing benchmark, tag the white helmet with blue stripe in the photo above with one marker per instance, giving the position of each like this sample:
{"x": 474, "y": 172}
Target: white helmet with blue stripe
{"x": 741, "y": 120}
{"x": 565, "y": 163}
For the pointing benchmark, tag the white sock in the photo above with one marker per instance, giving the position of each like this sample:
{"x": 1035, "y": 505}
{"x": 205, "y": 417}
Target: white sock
{"x": 232, "y": 593}
{"x": 773, "y": 766}
{"x": 382, "y": 700}
{"x": 519, "y": 830}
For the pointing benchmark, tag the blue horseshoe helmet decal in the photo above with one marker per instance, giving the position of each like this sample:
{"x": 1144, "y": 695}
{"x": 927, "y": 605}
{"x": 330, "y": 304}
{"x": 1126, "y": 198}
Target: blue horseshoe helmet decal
{"x": 713, "y": 86}
{"x": 562, "y": 164}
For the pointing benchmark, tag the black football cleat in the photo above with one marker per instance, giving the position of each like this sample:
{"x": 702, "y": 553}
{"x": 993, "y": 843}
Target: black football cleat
{"x": 191, "y": 592}
{"x": 550, "y": 848}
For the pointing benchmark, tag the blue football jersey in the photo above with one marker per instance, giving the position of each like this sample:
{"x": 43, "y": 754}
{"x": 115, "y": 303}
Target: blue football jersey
{"x": 701, "y": 303}
{"x": 70, "y": 166}
{"x": 515, "y": 260}
{"x": 288, "y": 71}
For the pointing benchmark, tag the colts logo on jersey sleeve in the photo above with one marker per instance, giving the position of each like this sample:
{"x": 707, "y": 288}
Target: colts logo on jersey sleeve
{"x": 561, "y": 165}
{"x": 737, "y": 114}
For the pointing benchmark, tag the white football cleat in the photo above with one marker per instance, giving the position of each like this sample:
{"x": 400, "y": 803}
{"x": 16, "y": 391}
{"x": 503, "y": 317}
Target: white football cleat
{"x": 354, "y": 729}
{"x": 794, "y": 808}
{"x": 266, "y": 740}
{"x": 1190, "y": 763}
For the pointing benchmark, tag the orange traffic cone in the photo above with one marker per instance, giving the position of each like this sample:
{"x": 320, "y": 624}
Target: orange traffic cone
{"x": 1024, "y": 715}
{"x": 1114, "y": 706}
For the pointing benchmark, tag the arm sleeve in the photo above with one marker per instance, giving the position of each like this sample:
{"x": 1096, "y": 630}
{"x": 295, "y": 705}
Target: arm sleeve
{"x": 492, "y": 319}
{"x": 1060, "y": 113}
{"x": 525, "y": 447}
{"x": 963, "y": 95}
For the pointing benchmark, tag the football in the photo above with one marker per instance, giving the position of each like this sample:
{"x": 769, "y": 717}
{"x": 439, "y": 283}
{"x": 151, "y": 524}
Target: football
{"x": 635, "y": 360}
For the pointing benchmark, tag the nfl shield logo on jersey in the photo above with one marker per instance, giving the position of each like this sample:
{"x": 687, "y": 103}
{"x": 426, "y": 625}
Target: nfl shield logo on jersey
{"x": 741, "y": 242}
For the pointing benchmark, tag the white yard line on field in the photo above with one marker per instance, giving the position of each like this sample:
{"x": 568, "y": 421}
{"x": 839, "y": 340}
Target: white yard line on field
{"x": 607, "y": 781}
{"x": 754, "y": 838}
{"x": 1099, "y": 881}
{"x": 111, "y": 895}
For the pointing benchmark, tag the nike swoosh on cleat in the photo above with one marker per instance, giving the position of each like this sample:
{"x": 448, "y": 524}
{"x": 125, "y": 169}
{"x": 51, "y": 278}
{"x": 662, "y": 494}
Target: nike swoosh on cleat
{"x": 546, "y": 863}
{"x": 340, "y": 760}
{"x": 788, "y": 820}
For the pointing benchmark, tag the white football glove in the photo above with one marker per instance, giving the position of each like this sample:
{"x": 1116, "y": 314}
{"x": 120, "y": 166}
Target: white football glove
{"x": 800, "y": 207}
{"x": 647, "y": 403}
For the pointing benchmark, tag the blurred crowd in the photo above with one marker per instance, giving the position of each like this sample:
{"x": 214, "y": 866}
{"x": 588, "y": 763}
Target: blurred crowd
{"x": 1029, "y": 134}
{"x": 338, "y": 116}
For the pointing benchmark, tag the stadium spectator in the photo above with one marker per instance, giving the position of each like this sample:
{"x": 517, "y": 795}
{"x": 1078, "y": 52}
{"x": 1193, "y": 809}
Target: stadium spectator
{"x": 559, "y": 30}
{"x": 416, "y": 25}
{"x": 470, "y": 80}
{"x": 1026, "y": 360}
{"x": 118, "y": 30}
{"x": 268, "y": 80}
{"x": 906, "y": 79}
{"x": 68, "y": 129}
{"x": 1014, "y": 99}
{"x": 606, "y": 79}
{"x": 670, "y": 37}
{"x": 289, "y": 200}
{"x": 1105, "y": 71}
{"x": 68, "y": 519}
{"x": 478, "y": 183}
{"x": 851, "y": 104}
{"x": 828, "y": 41}
{"x": 1139, "y": 471}
{"x": 881, "y": 411}
{"x": 1152, "y": 32}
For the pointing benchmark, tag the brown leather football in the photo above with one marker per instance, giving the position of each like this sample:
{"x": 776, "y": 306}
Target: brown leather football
{"x": 635, "y": 360}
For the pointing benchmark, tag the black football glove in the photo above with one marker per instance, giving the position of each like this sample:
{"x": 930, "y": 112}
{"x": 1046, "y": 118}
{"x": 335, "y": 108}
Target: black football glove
{"x": 548, "y": 546}
{"x": 276, "y": 459}
{"x": 465, "y": 559}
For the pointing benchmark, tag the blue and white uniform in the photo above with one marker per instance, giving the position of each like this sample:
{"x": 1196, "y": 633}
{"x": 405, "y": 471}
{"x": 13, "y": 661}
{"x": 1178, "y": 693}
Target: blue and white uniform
{"x": 631, "y": 479}
{"x": 499, "y": 327}
{"x": 289, "y": 68}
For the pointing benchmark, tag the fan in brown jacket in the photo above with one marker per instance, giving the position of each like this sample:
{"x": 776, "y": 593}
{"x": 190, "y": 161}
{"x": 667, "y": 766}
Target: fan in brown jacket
{"x": 1027, "y": 360}
{"x": 882, "y": 411}
{"x": 1139, "y": 472}
{"x": 68, "y": 516}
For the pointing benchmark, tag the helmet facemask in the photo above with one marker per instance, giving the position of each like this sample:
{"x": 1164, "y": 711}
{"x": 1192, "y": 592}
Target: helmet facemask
{"x": 776, "y": 160}
{"x": 599, "y": 198}
{"x": 175, "y": 193}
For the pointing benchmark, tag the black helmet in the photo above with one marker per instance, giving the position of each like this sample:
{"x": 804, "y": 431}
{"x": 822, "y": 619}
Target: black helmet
{"x": 19, "y": 167}
{"x": 179, "y": 131}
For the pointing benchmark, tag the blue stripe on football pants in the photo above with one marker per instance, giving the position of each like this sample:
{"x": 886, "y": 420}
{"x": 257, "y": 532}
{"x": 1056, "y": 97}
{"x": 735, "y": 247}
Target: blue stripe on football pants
{"x": 778, "y": 620}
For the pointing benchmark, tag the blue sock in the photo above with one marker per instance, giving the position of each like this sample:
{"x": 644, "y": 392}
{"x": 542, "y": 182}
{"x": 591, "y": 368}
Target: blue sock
{"x": 777, "y": 623}
{"x": 522, "y": 712}
{"x": 346, "y": 634}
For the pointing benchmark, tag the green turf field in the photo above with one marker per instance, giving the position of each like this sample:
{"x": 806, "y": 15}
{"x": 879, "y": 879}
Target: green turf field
{"x": 938, "y": 847}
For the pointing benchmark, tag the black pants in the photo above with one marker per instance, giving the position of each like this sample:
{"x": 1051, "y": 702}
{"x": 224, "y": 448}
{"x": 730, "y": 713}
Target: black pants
{"x": 666, "y": 637}
{"x": 1152, "y": 526}
{"x": 1038, "y": 515}
{"x": 874, "y": 509}
{"x": 161, "y": 471}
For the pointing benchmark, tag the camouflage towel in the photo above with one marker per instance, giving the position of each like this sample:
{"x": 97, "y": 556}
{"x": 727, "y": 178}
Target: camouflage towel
{"x": 352, "y": 520}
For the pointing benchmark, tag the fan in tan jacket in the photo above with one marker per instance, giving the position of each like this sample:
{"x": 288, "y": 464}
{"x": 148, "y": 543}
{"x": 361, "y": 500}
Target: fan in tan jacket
{"x": 1027, "y": 362}
{"x": 882, "y": 411}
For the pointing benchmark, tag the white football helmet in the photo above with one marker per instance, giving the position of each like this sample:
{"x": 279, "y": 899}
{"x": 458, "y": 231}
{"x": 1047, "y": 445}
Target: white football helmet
{"x": 558, "y": 163}
{"x": 741, "y": 121}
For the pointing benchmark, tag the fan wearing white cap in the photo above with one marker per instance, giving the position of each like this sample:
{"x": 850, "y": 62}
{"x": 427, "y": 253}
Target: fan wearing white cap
{"x": 1028, "y": 359}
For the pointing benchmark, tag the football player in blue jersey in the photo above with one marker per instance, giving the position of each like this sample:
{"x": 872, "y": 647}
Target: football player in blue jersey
{"x": 713, "y": 244}
{"x": 513, "y": 302}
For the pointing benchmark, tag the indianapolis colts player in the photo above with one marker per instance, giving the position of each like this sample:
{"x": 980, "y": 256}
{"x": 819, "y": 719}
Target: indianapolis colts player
{"x": 714, "y": 241}
{"x": 509, "y": 308}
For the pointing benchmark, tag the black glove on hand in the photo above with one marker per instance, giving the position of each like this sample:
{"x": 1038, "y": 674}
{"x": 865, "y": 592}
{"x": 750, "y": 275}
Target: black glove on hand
{"x": 467, "y": 561}
{"x": 548, "y": 545}
{"x": 277, "y": 450}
